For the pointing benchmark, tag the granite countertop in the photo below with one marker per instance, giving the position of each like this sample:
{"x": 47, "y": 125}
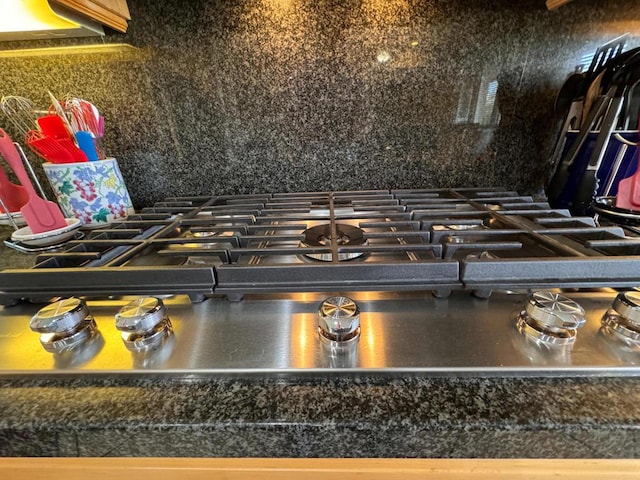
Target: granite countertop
{"x": 10, "y": 258}
{"x": 321, "y": 417}
{"x": 338, "y": 416}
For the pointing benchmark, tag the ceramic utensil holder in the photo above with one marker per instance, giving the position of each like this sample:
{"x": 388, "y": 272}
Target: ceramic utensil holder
{"x": 92, "y": 192}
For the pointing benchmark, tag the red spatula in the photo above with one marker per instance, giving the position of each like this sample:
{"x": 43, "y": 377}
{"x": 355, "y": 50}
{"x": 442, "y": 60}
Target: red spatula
{"x": 41, "y": 215}
{"x": 13, "y": 196}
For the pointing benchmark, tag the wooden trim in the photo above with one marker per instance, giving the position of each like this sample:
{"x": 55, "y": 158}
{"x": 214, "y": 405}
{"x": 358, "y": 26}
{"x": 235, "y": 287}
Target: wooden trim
{"x": 119, "y": 7}
{"x": 553, "y": 4}
{"x": 98, "y": 13}
{"x": 313, "y": 469}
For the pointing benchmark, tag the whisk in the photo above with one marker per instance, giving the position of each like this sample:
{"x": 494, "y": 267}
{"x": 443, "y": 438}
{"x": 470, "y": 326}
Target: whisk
{"x": 80, "y": 114}
{"x": 83, "y": 117}
{"x": 20, "y": 111}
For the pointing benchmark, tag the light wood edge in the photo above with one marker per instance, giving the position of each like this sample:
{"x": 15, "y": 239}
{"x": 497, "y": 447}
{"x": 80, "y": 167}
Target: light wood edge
{"x": 553, "y": 4}
{"x": 312, "y": 469}
{"x": 119, "y": 7}
{"x": 96, "y": 12}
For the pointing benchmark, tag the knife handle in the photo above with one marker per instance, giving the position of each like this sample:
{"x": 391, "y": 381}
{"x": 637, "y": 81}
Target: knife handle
{"x": 561, "y": 176}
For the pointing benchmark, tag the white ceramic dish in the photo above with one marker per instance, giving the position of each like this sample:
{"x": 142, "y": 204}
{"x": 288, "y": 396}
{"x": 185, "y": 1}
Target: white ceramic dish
{"x": 17, "y": 217}
{"x": 51, "y": 237}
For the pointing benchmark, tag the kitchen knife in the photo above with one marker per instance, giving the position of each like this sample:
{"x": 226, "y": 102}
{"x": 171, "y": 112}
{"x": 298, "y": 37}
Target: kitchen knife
{"x": 563, "y": 172}
{"x": 588, "y": 181}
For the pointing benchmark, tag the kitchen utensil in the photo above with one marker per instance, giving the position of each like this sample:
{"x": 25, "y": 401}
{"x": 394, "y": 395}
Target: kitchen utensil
{"x": 77, "y": 154}
{"x": 87, "y": 144}
{"x": 577, "y": 84}
{"x": 563, "y": 173}
{"x": 100, "y": 126}
{"x": 13, "y": 196}
{"x": 40, "y": 215}
{"x": 588, "y": 183}
{"x": 629, "y": 191}
{"x": 57, "y": 108}
{"x": 48, "y": 148}
{"x": 20, "y": 111}
{"x": 53, "y": 126}
{"x": 85, "y": 117}
{"x": 624, "y": 78}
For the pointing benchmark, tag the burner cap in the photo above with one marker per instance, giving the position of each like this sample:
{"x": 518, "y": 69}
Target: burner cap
{"x": 320, "y": 236}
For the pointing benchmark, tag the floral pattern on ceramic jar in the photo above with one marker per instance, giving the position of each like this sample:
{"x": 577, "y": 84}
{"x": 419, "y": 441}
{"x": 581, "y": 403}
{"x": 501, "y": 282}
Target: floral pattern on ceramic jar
{"x": 92, "y": 192}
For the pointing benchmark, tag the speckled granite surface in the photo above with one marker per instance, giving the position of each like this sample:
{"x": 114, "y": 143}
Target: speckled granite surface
{"x": 344, "y": 417}
{"x": 246, "y": 96}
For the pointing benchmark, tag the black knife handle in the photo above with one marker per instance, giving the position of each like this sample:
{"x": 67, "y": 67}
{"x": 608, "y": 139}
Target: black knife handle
{"x": 561, "y": 175}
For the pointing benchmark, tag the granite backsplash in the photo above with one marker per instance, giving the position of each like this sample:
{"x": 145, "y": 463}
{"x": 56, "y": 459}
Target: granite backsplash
{"x": 240, "y": 96}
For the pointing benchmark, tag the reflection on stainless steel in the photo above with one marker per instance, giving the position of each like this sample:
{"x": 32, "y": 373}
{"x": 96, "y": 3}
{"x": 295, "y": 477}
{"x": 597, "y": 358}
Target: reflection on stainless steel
{"x": 158, "y": 353}
{"x": 81, "y": 354}
{"x": 340, "y": 355}
{"x": 401, "y": 332}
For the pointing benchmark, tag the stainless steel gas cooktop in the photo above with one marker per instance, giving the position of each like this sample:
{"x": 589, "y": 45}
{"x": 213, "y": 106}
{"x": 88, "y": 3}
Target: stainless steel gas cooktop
{"x": 477, "y": 281}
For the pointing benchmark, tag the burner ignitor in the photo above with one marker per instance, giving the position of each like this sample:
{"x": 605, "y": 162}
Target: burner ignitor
{"x": 624, "y": 317}
{"x": 64, "y": 325}
{"x": 551, "y": 318}
{"x": 144, "y": 323}
{"x": 339, "y": 320}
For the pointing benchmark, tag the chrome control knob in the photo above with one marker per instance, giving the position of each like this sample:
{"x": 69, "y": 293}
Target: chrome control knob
{"x": 141, "y": 315}
{"x": 627, "y": 304}
{"x": 551, "y": 318}
{"x": 339, "y": 319}
{"x": 554, "y": 310}
{"x": 144, "y": 323}
{"x": 61, "y": 316}
{"x": 624, "y": 317}
{"x": 64, "y": 325}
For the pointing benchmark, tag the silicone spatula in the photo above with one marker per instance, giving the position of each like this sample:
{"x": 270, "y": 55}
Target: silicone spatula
{"x": 41, "y": 215}
{"x": 88, "y": 145}
{"x": 13, "y": 196}
{"x": 48, "y": 148}
{"x": 53, "y": 126}
{"x": 628, "y": 196}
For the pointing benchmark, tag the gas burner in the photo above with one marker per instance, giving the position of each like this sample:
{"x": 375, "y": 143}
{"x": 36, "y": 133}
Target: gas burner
{"x": 64, "y": 325}
{"x": 339, "y": 320}
{"x": 551, "y": 318}
{"x": 320, "y": 236}
{"x": 624, "y": 317}
{"x": 144, "y": 323}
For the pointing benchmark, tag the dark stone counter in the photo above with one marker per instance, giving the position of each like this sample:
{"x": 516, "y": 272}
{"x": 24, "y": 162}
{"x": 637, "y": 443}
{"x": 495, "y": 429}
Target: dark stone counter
{"x": 338, "y": 417}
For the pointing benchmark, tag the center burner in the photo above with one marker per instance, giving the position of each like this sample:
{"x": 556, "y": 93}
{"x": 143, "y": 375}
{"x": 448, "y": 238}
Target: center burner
{"x": 320, "y": 236}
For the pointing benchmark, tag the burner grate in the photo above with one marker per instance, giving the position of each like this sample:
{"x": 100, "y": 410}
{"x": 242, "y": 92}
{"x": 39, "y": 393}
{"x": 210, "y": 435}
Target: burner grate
{"x": 435, "y": 239}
